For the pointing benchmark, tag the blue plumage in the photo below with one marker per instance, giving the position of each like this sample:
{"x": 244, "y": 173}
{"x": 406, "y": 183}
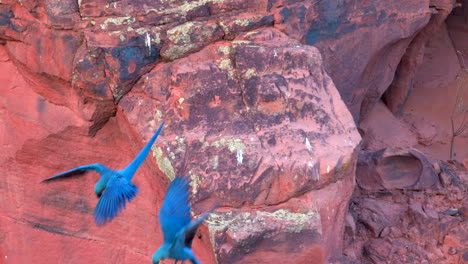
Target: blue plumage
{"x": 114, "y": 188}
{"x": 175, "y": 211}
{"x": 176, "y": 224}
{"x": 118, "y": 191}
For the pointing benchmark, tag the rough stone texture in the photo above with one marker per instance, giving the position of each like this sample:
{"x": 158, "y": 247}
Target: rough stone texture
{"x": 394, "y": 168}
{"x": 431, "y": 221}
{"x": 412, "y": 62}
{"x": 266, "y": 131}
{"x": 376, "y": 127}
{"x": 429, "y": 111}
{"x": 423, "y": 115}
{"x": 121, "y": 40}
{"x": 377, "y": 214}
{"x": 424, "y": 226}
{"x": 278, "y": 114}
{"x": 253, "y": 117}
{"x": 457, "y": 23}
{"x": 41, "y": 222}
{"x": 367, "y": 36}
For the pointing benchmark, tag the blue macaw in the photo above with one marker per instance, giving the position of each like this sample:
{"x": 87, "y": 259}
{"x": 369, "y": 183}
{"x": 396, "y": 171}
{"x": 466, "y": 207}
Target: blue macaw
{"x": 177, "y": 228}
{"x": 114, "y": 188}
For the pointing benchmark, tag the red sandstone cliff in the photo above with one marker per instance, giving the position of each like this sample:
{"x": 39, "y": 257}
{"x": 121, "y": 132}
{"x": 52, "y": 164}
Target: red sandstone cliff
{"x": 261, "y": 100}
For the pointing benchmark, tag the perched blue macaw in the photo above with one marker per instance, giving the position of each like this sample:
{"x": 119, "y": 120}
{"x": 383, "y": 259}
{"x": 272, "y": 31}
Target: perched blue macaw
{"x": 114, "y": 188}
{"x": 177, "y": 228}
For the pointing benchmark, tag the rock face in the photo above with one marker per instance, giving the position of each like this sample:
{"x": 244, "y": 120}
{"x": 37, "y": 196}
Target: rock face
{"x": 377, "y": 126}
{"x": 45, "y": 223}
{"x": 412, "y": 71}
{"x": 424, "y": 226}
{"x": 260, "y": 99}
{"x": 394, "y": 168}
{"x": 264, "y": 114}
{"x": 366, "y": 36}
{"x": 115, "y": 48}
{"x": 408, "y": 207}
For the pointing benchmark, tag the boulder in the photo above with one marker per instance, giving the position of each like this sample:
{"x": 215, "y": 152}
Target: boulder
{"x": 254, "y": 112}
{"x": 271, "y": 127}
{"x": 53, "y": 222}
{"x": 395, "y": 168}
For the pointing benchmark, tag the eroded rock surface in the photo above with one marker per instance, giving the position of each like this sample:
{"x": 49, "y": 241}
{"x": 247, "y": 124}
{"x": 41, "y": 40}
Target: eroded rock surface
{"x": 113, "y": 43}
{"x": 394, "y": 168}
{"x": 45, "y": 223}
{"x": 421, "y": 58}
{"x": 252, "y": 113}
{"x": 424, "y": 226}
{"x": 269, "y": 132}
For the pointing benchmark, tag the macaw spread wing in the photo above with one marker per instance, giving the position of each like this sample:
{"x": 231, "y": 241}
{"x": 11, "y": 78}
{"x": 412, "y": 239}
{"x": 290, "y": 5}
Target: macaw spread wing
{"x": 191, "y": 229}
{"x": 114, "y": 198}
{"x": 79, "y": 170}
{"x": 131, "y": 169}
{"x": 175, "y": 211}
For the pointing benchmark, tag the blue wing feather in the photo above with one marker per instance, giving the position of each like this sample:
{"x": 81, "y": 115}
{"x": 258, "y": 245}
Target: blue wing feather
{"x": 117, "y": 193}
{"x": 175, "y": 211}
{"x": 79, "y": 170}
{"x": 188, "y": 233}
{"x": 131, "y": 169}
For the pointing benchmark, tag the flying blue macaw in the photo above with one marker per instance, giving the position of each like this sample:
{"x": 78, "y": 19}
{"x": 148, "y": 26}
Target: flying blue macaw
{"x": 176, "y": 225}
{"x": 114, "y": 188}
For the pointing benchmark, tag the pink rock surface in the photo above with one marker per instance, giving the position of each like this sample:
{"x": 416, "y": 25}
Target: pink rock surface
{"x": 423, "y": 226}
{"x": 424, "y": 63}
{"x": 381, "y": 129}
{"x": 43, "y": 222}
{"x": 252, "y": 113}
{"x": 395, "y": 168}
{"x": 430, "y": 226}
{"x": 122, "y": 40}
{"x": 368, "y": 37}
{"x": 265, "y": 129}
